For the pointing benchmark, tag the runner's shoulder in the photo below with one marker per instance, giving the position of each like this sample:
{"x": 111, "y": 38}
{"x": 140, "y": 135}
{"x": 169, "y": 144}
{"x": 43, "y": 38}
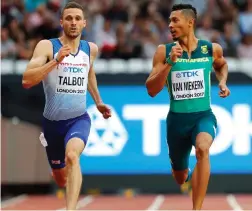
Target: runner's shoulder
{"x": 44, "y": 46}
{"x": 44, "y": 43}
{"x": 168, "y": 46}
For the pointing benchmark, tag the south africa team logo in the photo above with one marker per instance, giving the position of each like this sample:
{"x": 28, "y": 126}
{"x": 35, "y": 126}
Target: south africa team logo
{"x": 204, "y": 49}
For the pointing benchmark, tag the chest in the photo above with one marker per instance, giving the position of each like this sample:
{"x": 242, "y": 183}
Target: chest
{"x": 196, "y": 67}
{"x": 191, "y": 73}
{"x": 70, "y": 74}
{"x": 189, "y": 78}
{"x": 74, "y": 65}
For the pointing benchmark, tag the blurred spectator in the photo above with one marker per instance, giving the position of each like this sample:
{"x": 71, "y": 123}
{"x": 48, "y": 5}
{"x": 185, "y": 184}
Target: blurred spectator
{"x": 31, "y": 6}
{"x": 125, "y": 28}
{"x": 245, "y": 18}
{"x": 17, "y": 10}
{"x": 206, "y": 31}
{"x": 123, "y": 49}
{"x": 8, "y": 48}
{"x": 245, "y": 47}
{"x": 106, "y": 39}
{"x": 163, "y": 32}
{"x": 228, "y": 41}
{"x": 118, "y": 12}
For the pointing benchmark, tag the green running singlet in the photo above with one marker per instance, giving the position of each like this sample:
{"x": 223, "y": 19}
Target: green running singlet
{"x": 189, "y": 79}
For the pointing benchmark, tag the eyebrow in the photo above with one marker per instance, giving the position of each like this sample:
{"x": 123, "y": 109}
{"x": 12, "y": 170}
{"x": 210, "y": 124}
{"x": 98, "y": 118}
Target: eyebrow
{"x": 171, "y": 18}
{"x": 73, "y": 16}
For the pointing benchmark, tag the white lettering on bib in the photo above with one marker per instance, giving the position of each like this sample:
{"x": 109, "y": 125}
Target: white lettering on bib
{"x": 72, "y": 80}
{"x": 188, "y": 84}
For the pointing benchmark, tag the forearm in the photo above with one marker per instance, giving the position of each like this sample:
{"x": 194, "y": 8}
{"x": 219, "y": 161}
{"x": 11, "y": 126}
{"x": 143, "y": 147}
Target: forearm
{"x": 34, "y": 76}
{"x": 93, "y": 88}
{"x": 156, "y": 82}
{"x": 222, "y": 73}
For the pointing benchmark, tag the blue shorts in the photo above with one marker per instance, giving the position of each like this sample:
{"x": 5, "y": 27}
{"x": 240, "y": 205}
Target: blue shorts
{"x": 58, "y": 133}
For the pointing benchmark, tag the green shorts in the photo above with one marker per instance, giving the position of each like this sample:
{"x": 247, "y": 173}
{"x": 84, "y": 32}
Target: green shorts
{"x": 182, "y": 129}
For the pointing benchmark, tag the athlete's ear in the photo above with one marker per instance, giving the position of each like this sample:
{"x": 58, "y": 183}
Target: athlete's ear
{"x": 61, "y": 22}
{"x": 191, "y": 22}
{"x": 84, "y": 23}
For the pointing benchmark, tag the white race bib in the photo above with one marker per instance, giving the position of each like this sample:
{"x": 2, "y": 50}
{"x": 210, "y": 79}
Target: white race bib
{"x": 188, "y": 84}
{"x": 72, "y": 80}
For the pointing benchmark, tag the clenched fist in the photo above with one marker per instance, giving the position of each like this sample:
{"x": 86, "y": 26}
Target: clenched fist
{"x": 104, "y": 110}
{"x": 224, "y": 90}
{"x": 176, "y": 52}
{"x": 63, "y": 52}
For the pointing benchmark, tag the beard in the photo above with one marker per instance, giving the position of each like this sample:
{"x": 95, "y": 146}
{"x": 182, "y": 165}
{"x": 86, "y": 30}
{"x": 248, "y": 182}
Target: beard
{"x": 175, "y": 38}
{"x": 71, "y": 35}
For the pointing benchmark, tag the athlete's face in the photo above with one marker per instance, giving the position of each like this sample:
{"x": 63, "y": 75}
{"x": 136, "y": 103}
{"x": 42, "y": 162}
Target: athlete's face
{"x": 180, "y": 25}
{"x": 73, "y": 22}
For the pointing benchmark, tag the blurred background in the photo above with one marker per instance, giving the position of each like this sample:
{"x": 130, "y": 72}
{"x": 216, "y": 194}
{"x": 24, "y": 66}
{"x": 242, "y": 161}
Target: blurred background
{"x": 129, "y": 150}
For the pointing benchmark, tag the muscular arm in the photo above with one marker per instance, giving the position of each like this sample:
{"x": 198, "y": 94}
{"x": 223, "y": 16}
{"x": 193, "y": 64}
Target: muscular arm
{"x": 220, "y": 64}
{"x": 37, "y": 69}
{"x": 92, "y": 82}
{"x": 157, "y": 78}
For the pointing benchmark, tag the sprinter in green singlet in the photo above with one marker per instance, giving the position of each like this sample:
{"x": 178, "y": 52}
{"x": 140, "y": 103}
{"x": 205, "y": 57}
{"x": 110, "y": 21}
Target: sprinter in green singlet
{"x": 185, "y": 66}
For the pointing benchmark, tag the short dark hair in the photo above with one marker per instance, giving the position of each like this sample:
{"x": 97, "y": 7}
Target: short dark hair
{"x": 187, "y": 9}
{"x": 73, "y": 4}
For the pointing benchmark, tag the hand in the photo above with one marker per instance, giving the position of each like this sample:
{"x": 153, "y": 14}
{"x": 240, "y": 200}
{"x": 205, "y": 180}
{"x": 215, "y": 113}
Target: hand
{"x": 224, "y": 91}
{"x": 104, "y": 110}
{"x": 63, "y": 52}
{"x": 176, "y": 52}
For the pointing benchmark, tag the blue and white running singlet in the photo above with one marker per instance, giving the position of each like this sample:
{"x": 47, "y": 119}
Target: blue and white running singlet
{"x": 65, "y": 86}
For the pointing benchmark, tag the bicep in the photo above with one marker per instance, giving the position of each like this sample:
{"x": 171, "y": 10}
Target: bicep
{"x": 158, "y": 60}
{"x": 218, "y": 57}
{"x": 40, "y": 55}
{"x": 93, "y": 53}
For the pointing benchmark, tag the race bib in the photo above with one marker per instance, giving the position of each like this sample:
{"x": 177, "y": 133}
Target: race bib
{"x": 188, "y": 84}
{"x": 72, "y": 80}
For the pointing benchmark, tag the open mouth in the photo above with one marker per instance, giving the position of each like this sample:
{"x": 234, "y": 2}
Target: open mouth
{"x": 173, "y": 33}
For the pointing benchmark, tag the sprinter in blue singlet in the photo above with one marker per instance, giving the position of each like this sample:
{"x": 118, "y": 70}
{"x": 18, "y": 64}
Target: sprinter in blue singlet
{"x": 64, "y": 65}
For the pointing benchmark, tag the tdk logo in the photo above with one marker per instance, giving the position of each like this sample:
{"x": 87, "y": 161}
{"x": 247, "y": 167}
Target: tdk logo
{"x": 73, "y": 69}
{"x": 187, "y": 74}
